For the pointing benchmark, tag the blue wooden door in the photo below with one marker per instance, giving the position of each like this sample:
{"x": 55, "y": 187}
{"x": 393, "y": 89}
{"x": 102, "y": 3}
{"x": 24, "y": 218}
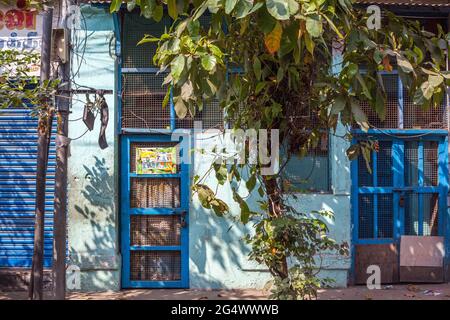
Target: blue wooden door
{"x": 154, "y": 219}
{"x": 406, "y": 191}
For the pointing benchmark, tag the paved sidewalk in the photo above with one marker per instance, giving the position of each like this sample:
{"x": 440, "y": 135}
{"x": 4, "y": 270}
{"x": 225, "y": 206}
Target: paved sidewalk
{"x": 395, "y": 292}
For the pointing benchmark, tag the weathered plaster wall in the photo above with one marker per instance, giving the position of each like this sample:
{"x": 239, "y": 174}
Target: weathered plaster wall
{"x": 334, "y": 266}
{"x": 92, "y": 176}
{"x": 218, "y": 255}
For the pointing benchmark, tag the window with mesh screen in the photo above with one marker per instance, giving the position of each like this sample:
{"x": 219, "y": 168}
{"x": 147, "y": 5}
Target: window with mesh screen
{"x": 143, "y": 92}
{"x": 401, "y": 112}
{"x": 310, "y": 173}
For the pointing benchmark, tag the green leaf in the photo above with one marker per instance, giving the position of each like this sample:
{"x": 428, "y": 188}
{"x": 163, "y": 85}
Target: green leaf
{"x": 242, "y": 8}
{"x": 338, "y": 105}
{"x": 380, "y": 107}
{"x": 115, "y": 5}
{"x": 293, "y": 6}
{"x": 167, "y": 98}
{"x": 180, "y": 107}
{"x": 435, "y": 80}
{"x": 221, "y": 174}
{"x": 314, "y": 25}
{"x": 333, "y": 26}
{"x": 265, "y": 21}
{"x": 158, "y": 13}
{"x": 427, "y": 89}
{"x": 279, "y": 9}
{"x": 309, "y": 44}
{"x": 404, "y": 64}
{"x": 251, "y": 183}
{"x": 260, "y": 86}
{"x": 177, "y": 67}
{"x": 359, "y": 115}
{"x": 229, "y": 5}
{"x": 172, "y": 9}
{"x": 353, "y": 152}
{"x": 257, "y": 68}
{"x": 245, "y": 210}
{"x": 209, "y": 62}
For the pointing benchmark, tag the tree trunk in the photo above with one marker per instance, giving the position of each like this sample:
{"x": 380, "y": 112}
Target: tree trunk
{"x": 37, "y": 271}
{"x": 275, "y": 211}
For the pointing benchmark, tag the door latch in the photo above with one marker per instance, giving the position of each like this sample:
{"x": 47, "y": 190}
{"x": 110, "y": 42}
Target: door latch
{"x": 401, "y": 201}
{"x": 183, "y": 219}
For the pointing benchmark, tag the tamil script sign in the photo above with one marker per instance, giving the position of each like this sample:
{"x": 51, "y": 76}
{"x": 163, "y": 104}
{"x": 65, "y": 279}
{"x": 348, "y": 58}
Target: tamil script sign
{"x": 20, "y": 29}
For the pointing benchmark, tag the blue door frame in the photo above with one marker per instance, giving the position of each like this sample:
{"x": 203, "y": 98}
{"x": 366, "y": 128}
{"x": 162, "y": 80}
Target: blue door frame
{"x": 127, "y": 212}
{"x": 399, "y": 187}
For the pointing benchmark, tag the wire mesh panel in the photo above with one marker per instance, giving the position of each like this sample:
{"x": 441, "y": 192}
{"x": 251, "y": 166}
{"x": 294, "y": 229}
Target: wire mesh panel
{"x": 365, "y": 216}
{"x": 211, "y": 117}
{"x": 385, "y": 216}
{"x": 390, "y": 83}
{"x": 150, "y": 230}
{"x": 155, "y": 265}
{"x": 430, "y": 205}
{"x": 365, "y": 177}
{"x": 417, "y": 117}
{"x": 136, "y": 145}
{"x": 134, "y": 30}
{"x": 411, "y": 214}
{"x": 155, "y": 193}
{"x": 430, "y": 163}
{"x": 384, "y": 164}
{"x": 142, "y": 102}
{"x": 411, "y": 163}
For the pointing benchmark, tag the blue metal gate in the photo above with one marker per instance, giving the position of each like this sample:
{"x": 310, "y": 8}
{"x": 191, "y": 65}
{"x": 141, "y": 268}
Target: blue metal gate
{"x": 155, "y": 215}
{"x": 18, "y": 157}
{"x": 406, "y": 192}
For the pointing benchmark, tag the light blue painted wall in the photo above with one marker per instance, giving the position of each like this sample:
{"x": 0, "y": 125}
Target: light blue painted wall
{"x": 218, "y": 256}
{"x": 92, "y": 174}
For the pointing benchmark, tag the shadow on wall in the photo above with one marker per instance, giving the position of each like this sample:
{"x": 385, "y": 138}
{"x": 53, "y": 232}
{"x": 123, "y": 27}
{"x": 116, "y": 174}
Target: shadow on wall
{"x": 219, "y": 253}
{"x": 96, "y": 207}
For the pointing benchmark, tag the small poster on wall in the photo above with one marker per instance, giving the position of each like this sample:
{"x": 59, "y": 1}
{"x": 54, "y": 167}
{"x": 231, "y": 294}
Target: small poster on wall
{"x": 156, "y": 160}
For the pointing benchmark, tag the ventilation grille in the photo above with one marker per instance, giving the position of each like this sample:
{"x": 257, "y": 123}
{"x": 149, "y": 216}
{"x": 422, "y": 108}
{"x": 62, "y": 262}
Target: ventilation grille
{"x": 155, "y": 265}
{"x": 155, "y": 193}
{"x": 155, "y": 230}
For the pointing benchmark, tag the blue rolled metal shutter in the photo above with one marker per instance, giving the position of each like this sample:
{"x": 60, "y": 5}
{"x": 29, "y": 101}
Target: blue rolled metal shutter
{"x": 18, "y": 155}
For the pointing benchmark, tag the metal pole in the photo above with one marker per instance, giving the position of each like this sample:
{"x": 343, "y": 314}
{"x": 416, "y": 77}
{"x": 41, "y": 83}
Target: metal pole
{"x": 44, "y": 133}
{"x": 62, "y": 145}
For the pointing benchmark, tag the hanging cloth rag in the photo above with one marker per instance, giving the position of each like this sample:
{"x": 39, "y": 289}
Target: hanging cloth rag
{"x": 104, "y": 118}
